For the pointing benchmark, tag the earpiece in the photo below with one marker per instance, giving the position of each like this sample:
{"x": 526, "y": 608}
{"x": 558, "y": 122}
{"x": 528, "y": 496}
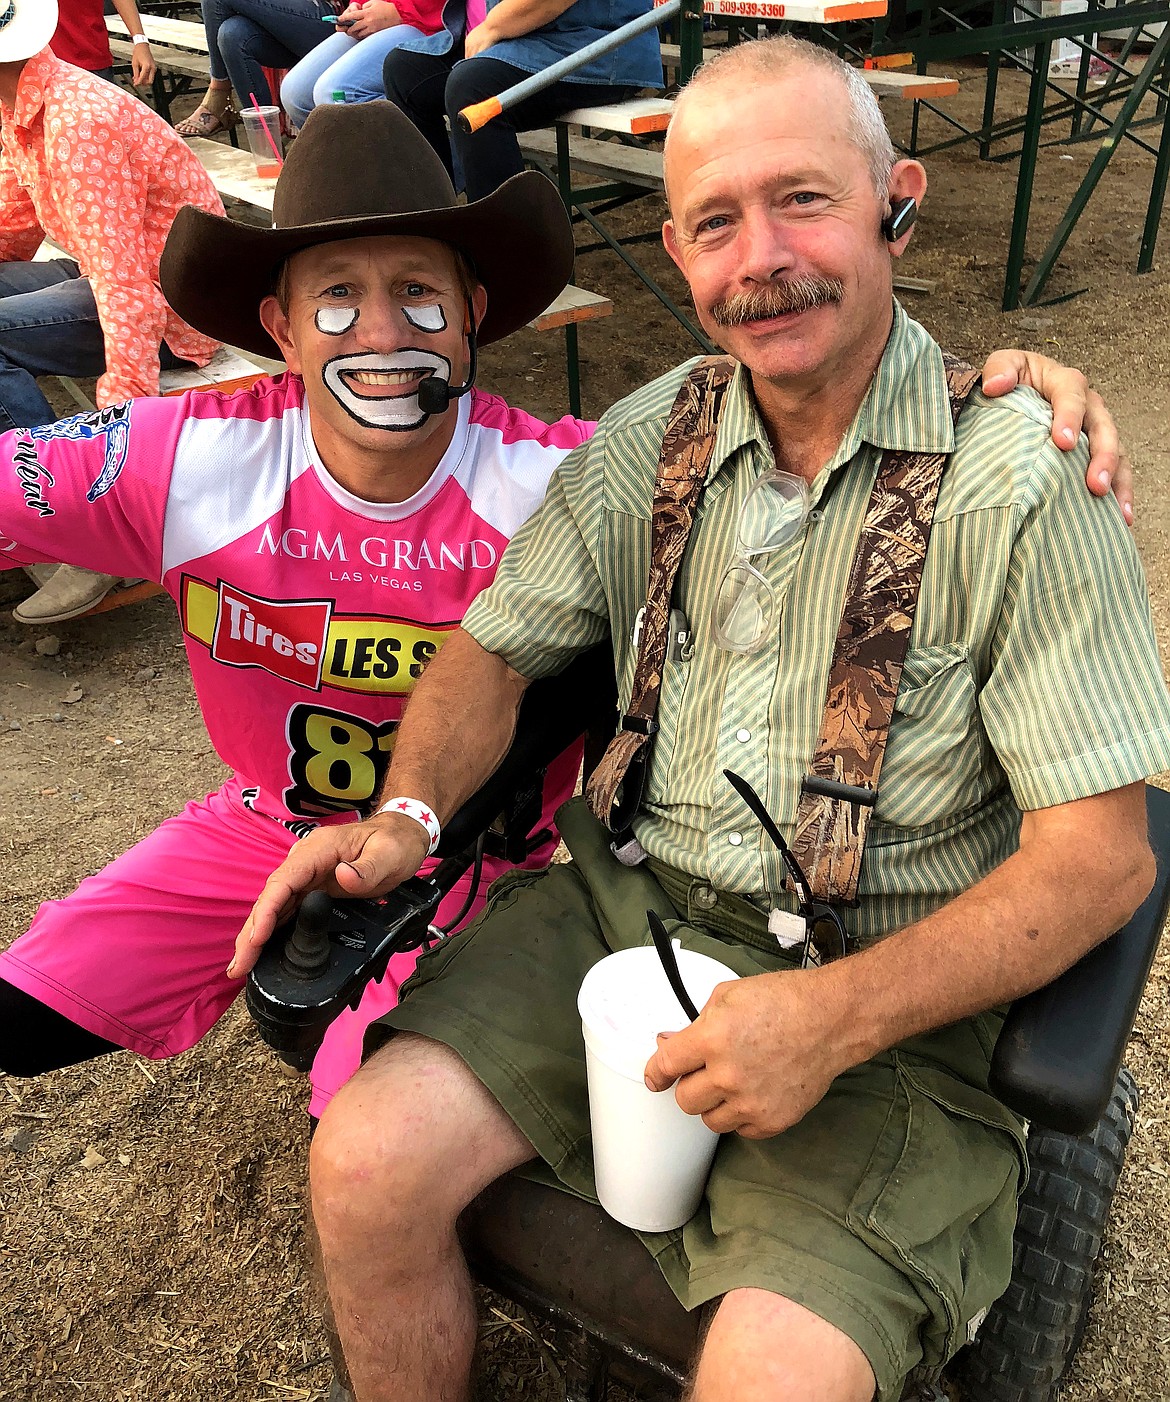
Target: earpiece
{"x": 902, "y": 215}
{"x": 434, "y": 395}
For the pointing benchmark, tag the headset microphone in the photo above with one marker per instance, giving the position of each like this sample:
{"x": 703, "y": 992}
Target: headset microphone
{"x": 434, "y": 394}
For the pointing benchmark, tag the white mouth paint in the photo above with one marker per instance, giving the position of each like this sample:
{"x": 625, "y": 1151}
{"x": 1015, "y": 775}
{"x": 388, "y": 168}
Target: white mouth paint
{"x": 364, "y": 386}
{"x": 336, "y": 321}
{"x": 426, "y": 318}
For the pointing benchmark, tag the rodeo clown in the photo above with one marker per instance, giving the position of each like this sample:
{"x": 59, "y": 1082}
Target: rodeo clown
{"x": 321, "y": 533}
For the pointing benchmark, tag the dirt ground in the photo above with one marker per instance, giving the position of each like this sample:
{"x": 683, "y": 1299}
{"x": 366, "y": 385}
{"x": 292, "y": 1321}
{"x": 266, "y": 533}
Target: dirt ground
{"x": 151, "y": 1244}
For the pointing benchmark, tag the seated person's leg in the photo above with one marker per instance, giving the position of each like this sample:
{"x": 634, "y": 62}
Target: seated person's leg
{"x": 48, "y": 326}
{"x": 358, "y": 72}
{"x": 213, "y": 113}
{"x": 136, "y": 956}
{"x": 301, "y": 83}
{"x": 399, "y": 1153}
{"x": 417, "y": 84}
{"x": 259, "y": 37}
{"x": 886, "y": 1211}
{"x": 491, "y": 155}
{"x": 762, "y": 1346}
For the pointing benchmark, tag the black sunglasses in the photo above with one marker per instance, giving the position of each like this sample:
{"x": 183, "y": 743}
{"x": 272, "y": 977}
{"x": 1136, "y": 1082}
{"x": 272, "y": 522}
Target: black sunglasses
{"x": 824, "y": 927}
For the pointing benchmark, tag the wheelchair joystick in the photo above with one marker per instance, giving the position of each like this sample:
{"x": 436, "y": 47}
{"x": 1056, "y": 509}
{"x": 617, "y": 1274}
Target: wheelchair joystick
{"x": 319, "y": 963}
{"x": 307, "y": 952}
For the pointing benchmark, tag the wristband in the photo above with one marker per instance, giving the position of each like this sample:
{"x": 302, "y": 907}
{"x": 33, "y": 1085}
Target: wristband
{"x": 412, "y": 808}
{"x": 139, "y": 39}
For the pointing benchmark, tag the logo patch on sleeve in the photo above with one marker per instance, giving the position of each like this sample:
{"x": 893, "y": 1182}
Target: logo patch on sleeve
{"x": 112, "y": 424}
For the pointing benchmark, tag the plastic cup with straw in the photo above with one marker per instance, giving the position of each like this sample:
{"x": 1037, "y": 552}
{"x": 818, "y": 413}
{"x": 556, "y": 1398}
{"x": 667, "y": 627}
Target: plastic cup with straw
{"x": 262, "y": 125}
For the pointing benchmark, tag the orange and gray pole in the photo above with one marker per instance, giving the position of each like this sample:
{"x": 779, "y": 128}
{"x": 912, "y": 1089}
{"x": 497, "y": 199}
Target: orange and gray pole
{"x": 480, "y": 113}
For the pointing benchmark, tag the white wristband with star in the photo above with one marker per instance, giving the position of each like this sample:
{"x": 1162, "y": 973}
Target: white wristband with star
{"x": 412, "y": 808}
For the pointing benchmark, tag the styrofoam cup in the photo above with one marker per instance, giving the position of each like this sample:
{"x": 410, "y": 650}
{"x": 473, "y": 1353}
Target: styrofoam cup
{"x": 650, "y": 1158}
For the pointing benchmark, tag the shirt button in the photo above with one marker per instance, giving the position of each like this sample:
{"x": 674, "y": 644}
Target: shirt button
{"x": 743, "y": 736}
{"x": 705, "y": 898}
{"x": 735, "y": 838}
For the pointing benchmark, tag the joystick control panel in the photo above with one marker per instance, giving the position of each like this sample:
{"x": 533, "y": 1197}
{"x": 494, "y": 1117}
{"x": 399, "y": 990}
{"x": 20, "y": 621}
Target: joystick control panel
{"x": 319, "y": 962}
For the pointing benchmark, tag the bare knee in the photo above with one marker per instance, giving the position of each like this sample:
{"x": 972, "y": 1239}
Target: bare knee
{"x": 406, "y": 1144}
{"x": 763, "y": 1346}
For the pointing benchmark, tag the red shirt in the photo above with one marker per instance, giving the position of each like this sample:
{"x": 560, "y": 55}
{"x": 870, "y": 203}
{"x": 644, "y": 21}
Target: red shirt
{"x": 82, "y": 38}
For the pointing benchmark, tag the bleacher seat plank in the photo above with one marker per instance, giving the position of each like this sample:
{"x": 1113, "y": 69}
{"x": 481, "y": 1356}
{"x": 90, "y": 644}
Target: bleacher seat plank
{"x": 604, "y": 158}
{"x": 572, "y": 306}
{"x": 159, "y": 29}
{"x": 639, "y": 117}
{"x": 911, "y": 87}
{"x": 233, "y": 172}
{"x": 173, "y": 60}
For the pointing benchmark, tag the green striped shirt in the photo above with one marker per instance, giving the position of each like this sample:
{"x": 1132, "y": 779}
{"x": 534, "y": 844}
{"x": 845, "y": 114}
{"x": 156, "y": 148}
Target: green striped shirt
{"x": 1032, "y": 676}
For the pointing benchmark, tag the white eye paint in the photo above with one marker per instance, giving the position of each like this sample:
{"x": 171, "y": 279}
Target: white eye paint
{"x": 336, "y": 321}
{"x": 369, "y": 386}
{"x": 426, "y": 318}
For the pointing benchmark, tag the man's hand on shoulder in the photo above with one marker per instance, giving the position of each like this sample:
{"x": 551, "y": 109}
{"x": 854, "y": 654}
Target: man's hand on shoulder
{"x": 352, "y": 859}
{"x": 1075, "y": 408}
{"x": 757, "y": 1059}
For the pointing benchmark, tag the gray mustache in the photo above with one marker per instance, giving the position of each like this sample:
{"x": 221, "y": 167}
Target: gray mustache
{"x": 795, "y": 294}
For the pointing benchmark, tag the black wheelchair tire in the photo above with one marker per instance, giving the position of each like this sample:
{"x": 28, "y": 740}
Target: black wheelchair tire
{"x": 1032, "y": 1332}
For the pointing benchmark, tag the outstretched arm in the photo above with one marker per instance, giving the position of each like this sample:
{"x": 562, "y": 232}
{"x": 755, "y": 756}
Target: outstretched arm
{"x": 765, "y": 1049}
{"x": 456, "y": 729}
{"x": 1075, "y": 407}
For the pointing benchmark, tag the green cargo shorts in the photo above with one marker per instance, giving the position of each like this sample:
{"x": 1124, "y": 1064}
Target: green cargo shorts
{"x": 888, "y": 1210}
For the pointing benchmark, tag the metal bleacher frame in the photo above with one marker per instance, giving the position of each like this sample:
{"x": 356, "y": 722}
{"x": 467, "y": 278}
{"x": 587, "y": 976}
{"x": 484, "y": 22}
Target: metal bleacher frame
{"x": 1111, "y": 114}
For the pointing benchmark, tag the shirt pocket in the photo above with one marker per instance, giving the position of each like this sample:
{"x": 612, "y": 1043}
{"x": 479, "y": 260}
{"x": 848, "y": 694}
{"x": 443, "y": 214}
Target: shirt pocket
{"x": 935, "y": 751}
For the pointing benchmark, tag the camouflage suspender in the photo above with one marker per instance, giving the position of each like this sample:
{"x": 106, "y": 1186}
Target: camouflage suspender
{"x": 839, "y": 792}
{"x": 687, "y": 449}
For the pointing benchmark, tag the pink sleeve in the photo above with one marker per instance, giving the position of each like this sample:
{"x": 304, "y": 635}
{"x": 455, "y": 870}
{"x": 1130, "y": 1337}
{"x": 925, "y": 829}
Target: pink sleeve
{"x": 91, "y": 490}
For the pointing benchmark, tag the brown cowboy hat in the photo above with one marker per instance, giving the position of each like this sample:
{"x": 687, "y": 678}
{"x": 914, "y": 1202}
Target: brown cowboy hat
{"x": 355, "y": 171}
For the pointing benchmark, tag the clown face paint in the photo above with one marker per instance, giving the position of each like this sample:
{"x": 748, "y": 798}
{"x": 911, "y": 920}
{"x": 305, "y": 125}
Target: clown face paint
{"x": 336, "y": 321}
{"x": 369, "y": 387}
{"x": 426, "y": 318}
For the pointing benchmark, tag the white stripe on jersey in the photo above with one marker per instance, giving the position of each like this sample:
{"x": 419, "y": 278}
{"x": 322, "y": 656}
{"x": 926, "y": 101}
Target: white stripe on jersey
{"x": 230, "y": 476}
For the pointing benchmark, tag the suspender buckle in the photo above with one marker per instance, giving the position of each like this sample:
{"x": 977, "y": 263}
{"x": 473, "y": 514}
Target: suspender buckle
{"x": 640, "y": 725}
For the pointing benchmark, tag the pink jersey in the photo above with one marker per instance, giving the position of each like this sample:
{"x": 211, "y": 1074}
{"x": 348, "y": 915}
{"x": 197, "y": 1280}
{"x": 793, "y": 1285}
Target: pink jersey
{"x": 307, "y": 612}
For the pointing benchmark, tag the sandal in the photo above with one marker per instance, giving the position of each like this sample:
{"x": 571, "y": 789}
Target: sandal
{"x": 201, "y": 122}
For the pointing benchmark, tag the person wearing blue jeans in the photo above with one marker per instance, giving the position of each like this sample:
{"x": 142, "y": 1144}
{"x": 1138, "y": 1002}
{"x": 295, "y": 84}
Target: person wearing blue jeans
{"x": 350, "y": 61}
{"x": 243, "y": 38}
{"x": 487, "y": 46}
{"x": 48, "y": 326}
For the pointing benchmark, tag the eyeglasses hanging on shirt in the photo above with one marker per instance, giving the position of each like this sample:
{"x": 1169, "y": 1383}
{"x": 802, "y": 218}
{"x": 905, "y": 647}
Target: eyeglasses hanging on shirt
{"x": 772, "y": 515}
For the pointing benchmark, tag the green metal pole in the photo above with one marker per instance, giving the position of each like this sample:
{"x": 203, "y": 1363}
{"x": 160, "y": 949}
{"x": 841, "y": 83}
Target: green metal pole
{"x": 1096, "y": 169}
{"x": 1026, "y": 176}
{"x": 1157, "y": 198}
{"x": 690, "y": 38}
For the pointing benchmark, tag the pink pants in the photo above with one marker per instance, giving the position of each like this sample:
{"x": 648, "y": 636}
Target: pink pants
{"x": 137, "y": 953}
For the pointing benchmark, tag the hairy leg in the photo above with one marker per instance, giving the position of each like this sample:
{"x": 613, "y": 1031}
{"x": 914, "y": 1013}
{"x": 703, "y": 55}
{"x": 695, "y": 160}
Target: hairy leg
{"x": 761, "y": 1347}
{"x": 399, "y": 1153}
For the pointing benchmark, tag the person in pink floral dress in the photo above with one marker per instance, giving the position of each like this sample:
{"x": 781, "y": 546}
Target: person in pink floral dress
{"x": 101, "y": 175}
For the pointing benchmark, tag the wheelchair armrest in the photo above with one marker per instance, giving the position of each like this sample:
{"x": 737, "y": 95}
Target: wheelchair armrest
{"x": 1061, "y": 1047}
{"x": 554, "y": 713}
